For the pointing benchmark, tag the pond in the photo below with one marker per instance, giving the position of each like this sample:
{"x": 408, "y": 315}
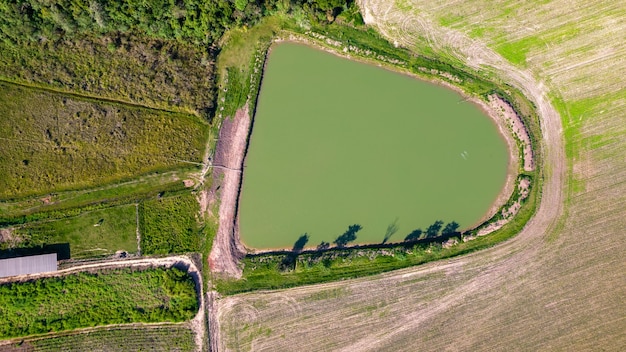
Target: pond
{"x": 337, "y": 143}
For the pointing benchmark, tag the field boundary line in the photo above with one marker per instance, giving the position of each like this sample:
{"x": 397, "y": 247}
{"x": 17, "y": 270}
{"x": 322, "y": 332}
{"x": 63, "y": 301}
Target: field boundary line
{"x": 90, "y": 97}
{"x": 137, "y": 229}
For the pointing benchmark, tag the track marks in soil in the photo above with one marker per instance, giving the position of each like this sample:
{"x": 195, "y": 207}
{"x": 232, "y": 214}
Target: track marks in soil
{"x": 229, "y": 154}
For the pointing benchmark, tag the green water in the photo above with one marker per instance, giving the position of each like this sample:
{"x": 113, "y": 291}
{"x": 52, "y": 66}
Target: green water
{"x": 337, "y": 142}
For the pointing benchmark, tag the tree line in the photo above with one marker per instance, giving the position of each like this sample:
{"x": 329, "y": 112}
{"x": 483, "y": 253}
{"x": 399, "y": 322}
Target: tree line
{"x": 199, "y": 21}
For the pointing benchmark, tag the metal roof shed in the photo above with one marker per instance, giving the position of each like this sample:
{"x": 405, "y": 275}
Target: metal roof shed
{"x": 28, "y": 265}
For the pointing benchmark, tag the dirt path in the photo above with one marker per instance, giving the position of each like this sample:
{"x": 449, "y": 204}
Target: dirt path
{"x": 196, "y": 324}
{"x": 137, "y": 232}
{"x": 213, "y": 321}
{"x": 229, "y": 155}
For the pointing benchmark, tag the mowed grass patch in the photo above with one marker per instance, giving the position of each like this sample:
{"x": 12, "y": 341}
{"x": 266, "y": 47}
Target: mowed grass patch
{"x": 170, "y": 225}
{"x": 91, "y": 299}
{"x": 92, "y": 234}
{"x": 133, "y": 338}
{"x": 52, "y": 142}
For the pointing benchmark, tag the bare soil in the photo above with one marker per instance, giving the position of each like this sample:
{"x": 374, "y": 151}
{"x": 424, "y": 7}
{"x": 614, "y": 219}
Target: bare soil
{"x": 6, "y": 235}
{"x": 228, "y": 163}
{"x": 514, "y": 122}
{"x": 213, "y": 321}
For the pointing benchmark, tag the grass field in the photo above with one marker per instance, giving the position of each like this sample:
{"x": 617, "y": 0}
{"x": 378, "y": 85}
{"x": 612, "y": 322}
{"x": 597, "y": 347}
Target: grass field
{"x": 165, "y": 337}
{"x": 238, "y": 64}
{"x": 54, "y": 142}
{"x": 170, "y": 225}
{"x": 96, "y": 233}
{"x": 159, "y": 73}
{"x": 559, "y": 284}
{"x": 86, "y": 299}
{"x": 60, "y": 204}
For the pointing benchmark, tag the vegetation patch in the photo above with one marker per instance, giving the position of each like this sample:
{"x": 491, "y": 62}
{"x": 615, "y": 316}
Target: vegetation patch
{"x": 240, "y": 64}
{"x": 130, "y": 338}
{"x": 170, "y": 225}
{"x": 58, "y": 142}
{"x": 91, "y": 234}
{"x": 158, "y": 73}
{"x": 89, "y": 299}
{"x": 71, "y": 203}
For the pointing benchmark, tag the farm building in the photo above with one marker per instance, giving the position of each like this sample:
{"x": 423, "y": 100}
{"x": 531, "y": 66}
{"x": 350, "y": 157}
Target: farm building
{"x": 33, "y": 264}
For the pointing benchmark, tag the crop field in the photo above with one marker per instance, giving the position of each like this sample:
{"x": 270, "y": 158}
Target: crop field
{"x": 557, "y": 285}
{"x": 76, "y": 300}
{"x": 331, "y": 141}
{"x": 96, "y": 233}
{"x": 58, "y": 142}
{"x": 162, "y": 337}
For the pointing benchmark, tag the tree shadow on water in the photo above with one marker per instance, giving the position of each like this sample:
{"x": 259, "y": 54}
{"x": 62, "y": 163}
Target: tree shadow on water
{"x": 290, "y": 259}
{"x": 391, "y": 229}
{"x": 450, "y": 229}
{"x": 348, "y": 236}
{"x": 414, "y": 235}
{"x": 300, "y": 243}
{"x": 323, "y": 246}
{"x": 433, "y": 230}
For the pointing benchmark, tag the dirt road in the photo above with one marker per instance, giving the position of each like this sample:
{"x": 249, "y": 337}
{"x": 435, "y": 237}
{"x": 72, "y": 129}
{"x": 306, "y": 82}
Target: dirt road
{"x": 228, "y": 163}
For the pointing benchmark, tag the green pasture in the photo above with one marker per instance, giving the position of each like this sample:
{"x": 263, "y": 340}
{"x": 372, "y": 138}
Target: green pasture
{"x": 92, "y": 234}
{"x": 119, "y": 296}
{"x": 52, "y": 142}
{"x": 337, "y": 143}
{"x": 170, "y": 225}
